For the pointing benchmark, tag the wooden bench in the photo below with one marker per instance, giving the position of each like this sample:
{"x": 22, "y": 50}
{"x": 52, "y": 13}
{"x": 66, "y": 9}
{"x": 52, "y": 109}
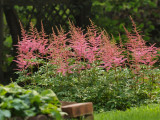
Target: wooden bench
{"x": 78, "y": 110}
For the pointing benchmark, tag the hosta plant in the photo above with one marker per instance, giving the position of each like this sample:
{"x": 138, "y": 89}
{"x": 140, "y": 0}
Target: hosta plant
{"x": 18, "y": 102}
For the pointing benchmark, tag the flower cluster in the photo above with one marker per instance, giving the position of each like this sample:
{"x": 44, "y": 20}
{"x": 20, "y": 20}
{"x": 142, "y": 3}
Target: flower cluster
{"x": 140, "y": 52}
{"x": 89, "y": 47}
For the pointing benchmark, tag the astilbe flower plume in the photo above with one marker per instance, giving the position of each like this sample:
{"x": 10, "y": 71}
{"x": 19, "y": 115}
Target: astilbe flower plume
{"x": 111, "y": 55}
{"x": 78, "y": 42}
{"x": 95, "y": 40}
{"x": 26, "y": 48}
{"x": 89, "y": 47}
{"x": 86, "y": 46}
{"x": 59, "y": 51}
{"x": 140, "y": 52}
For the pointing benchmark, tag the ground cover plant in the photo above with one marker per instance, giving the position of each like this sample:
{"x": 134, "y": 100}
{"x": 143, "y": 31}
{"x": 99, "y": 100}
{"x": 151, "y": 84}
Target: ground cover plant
{"x": 90, "y": 66}
{"x": 149, "y": 112}
{"x": 18, "y": 102}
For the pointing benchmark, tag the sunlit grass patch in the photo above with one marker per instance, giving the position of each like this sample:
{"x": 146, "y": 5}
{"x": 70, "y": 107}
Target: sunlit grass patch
{"x": 149, "y": 112}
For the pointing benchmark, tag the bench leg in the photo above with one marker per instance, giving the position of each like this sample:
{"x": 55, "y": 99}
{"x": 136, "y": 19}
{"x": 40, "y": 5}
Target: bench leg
{"x": 89, "y": 117}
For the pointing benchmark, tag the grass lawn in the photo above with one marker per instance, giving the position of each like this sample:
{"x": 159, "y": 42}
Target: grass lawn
{"x": 149, "y": 112}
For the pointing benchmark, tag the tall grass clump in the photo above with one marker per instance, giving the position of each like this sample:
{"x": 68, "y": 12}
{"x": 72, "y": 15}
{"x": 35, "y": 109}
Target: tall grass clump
{"x": 90, "y": 66}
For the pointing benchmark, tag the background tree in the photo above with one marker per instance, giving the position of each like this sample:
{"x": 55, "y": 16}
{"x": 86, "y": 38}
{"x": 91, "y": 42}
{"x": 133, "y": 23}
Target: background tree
{"x": 114, "y": 14}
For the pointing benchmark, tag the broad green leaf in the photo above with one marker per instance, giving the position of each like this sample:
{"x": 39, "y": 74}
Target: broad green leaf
{"x": 2, "y": 91}
{"x": 35, "y": 99}
{"x": 30, "y": 112}
{"x": 6, "y": 113}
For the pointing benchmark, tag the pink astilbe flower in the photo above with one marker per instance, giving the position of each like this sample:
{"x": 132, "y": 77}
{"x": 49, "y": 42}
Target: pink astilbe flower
{"x": 140, "y": 52}
{"x": 33, "y": 45}
{"x": 64, "y": 64}
{"x": 94, "y": 46}
{"x": 111, "y": 55}
{"x": 95, "y": 39}
{"x": 85, "y": 46}
{"x": 59, "y": 52}
{"x": 83, "y": 49}
{"x": 78, "y": 42}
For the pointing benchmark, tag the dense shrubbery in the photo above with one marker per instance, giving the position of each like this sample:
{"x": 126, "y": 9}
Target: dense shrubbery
{"x": 18, "y": 102}
{"x": 90, "y": 66}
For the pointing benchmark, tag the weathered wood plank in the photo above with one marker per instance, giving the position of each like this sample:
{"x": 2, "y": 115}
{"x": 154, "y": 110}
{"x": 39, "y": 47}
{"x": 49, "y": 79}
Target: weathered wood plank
{"x": 32, "y": 2}
{"x": 79, "y": 109}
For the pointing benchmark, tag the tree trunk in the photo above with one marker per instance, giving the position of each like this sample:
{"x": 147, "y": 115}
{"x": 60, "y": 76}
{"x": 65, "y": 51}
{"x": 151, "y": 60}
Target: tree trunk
{"x": 15, "y": 30}
{"x": 1, "y": 43}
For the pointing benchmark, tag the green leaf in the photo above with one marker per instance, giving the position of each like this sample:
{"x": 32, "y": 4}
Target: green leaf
{"x": 48, "y": 93}
{"x": 21, "y": 102}
{"x": 2, "y": 91}
{"x": 30, "y": 112}
{"x": 50, "y": 109}
{"x": 50, "y": 97}
{"x": 4, "y": 114}
{"x": 35, "y": 99}
{"x": 8, "y": 42}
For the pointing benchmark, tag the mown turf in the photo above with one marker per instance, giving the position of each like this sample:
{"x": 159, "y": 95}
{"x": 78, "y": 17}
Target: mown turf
{"x": 149, "y": 112}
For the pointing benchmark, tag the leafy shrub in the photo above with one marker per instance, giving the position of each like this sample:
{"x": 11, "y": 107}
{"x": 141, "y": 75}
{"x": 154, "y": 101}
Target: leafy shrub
{"x": 18, "y": 102}
{"x": 90, "y": 66}
{"x": 100, "y": 87}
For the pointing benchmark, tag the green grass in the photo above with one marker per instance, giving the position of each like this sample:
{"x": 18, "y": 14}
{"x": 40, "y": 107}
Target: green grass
{"x": 149, "y": 112}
